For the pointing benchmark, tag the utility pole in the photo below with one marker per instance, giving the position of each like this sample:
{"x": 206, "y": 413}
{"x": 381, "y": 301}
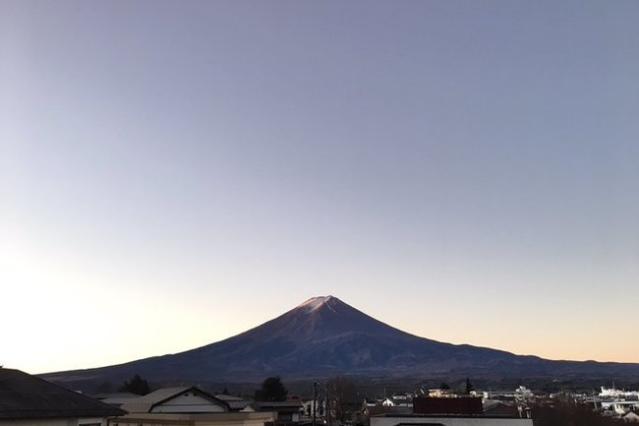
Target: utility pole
{"x": 314, "y": 402}
{"x": 327, "y": 408}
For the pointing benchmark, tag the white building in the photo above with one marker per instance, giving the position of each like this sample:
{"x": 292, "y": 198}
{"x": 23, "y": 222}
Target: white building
{"x": 388, "y": 403}
{"x": 522, "y": 393}
{"x": 620, "y": 407}
{"x": 307, "y": 408}
{"x": 617, "y": 393}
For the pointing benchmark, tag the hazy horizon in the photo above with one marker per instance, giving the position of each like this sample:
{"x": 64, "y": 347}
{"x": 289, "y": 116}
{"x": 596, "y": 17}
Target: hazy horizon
{"x": 175, "y": 173}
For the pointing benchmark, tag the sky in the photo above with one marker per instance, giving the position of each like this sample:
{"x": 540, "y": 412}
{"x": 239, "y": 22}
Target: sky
{"x": 173, "y": 173}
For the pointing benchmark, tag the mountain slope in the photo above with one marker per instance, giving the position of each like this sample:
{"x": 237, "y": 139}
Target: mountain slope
{"x": 325, "y": 336}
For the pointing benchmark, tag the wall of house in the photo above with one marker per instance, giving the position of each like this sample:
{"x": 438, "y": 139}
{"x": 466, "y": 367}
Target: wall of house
{"x": 48, "y": 422}
{"x": 450, "y": 421}
{"x": 188, "y": 403}
{"x": 173, "y": 422}
{"x": 55, "y": 422}
{"x": 219, "y": 419}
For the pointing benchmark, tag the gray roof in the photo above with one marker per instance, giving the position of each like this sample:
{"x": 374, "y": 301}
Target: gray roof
{"x": 118, "y": 395}
{"x": 23, "y": 396}
{"x": 225, "y": 397}
{"x": 235, "y": 402}
{"x": 293, "y": 403}
{"x": 145, "y": 404}
{"x": 116, "y": 399}
{"x": 279, "y": 406}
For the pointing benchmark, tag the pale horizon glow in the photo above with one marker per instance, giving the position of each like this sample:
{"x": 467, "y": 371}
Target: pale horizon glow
{"x": 175, "y": 173}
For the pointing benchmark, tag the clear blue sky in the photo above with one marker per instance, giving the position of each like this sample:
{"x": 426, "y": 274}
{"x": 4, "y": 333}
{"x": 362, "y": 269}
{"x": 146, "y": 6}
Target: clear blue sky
{"x": 172, "y": 173}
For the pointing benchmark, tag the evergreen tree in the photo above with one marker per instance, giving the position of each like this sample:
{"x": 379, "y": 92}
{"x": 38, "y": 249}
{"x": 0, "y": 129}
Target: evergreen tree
{"x": 469, "y": 386}
{"x": 272, "y": 390}
{"x": 136, "y": 385}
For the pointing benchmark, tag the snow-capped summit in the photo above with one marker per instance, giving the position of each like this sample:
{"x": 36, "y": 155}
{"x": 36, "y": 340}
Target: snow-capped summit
{"x": 315, "y": 303}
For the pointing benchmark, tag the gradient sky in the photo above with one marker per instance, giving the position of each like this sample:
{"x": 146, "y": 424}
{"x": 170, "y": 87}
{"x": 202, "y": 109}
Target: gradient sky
{"x": 173, "y": 173}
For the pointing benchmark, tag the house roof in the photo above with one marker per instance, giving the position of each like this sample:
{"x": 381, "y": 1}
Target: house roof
{"x": 23, "y": 396}
{"x": 235, "y": 402}
{"x": 631, "y": 415}
{"x": 225, "y": 397}
{"x": 116, "y": 399}
{"x": 279, "y": 406}
{"x": 118, "y": 395}
{"x": 463, "y": 405}
{"x": 501, "y": 409}
{"x": 145, "y": 404}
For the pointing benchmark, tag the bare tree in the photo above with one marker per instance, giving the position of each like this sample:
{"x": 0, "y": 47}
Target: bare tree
{"x": 344, "y": 401}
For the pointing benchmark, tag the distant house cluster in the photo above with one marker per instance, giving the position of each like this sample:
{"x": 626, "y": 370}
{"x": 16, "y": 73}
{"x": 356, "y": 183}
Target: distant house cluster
{"x": 442, "y": 407}
{"x": 617, "y": 403}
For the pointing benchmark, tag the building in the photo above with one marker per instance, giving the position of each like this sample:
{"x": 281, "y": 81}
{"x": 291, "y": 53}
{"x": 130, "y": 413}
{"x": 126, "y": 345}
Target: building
{"x": 236, "y": 403}
{"x": 617, "y": 393}
{"x": 460, "y": 411}
{"x": 26, "y": 400}
{"x": 183, "y": 399}
{"x": 287, "y": 411}
{"x": 463, "y": 405}
{"x": 447, "y": 420}
{"x": 195, "y": 419}
{"x": 524, "y": 395}
{"x": 319, "y": 406}
{"x": 504, "y": 409}
{"x": 116, "y": 399}
{"x": 620, "y": 407}
{"x": 188, "y": 406}
{"x": 388, "y": 402}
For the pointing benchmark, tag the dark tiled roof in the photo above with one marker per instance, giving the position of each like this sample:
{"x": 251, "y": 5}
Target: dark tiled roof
{"x": 23, "y": 396}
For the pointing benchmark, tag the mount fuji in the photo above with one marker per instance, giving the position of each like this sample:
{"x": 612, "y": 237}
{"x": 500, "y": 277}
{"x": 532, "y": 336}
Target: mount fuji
{"x": 324, "y": 337}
